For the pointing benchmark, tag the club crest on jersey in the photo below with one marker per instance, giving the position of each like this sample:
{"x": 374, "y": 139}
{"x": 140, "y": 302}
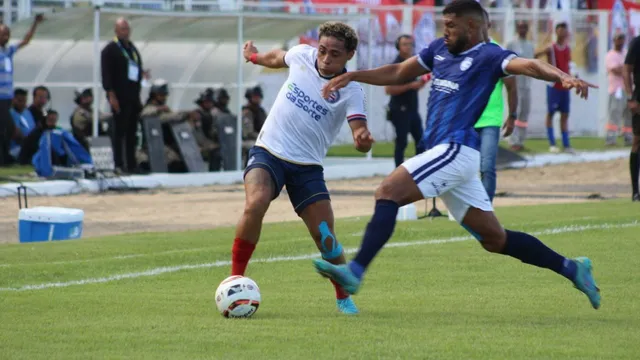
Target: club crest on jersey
{"x": 466, "y": 63}
{"x": 334, "y": 96}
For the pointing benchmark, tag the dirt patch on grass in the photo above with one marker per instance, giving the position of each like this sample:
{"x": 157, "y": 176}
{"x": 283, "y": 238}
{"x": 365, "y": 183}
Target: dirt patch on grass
{"x": 214, "y": 206}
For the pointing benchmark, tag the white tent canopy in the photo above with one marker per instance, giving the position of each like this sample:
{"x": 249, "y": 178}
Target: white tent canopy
{"x": 204, "y": 36}
{"x": 158, "y": 25}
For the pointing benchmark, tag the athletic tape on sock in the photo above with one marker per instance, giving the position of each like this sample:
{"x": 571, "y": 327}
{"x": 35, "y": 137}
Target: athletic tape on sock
{"x": 335, "y": 246}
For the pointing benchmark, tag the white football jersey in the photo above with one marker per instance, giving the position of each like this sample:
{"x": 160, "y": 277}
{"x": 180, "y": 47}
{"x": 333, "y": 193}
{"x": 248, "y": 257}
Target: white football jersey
{"x": 301, "y": 124}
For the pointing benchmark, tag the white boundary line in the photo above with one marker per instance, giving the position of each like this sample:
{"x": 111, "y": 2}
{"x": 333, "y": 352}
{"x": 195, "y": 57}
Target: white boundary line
{"x": 171, "y": 269}
{"x": 178, "y": 251}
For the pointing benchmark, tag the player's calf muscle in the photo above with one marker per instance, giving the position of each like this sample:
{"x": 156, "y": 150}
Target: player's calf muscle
{"x": 258, "y": 194}
{"x": 486, "y": 228}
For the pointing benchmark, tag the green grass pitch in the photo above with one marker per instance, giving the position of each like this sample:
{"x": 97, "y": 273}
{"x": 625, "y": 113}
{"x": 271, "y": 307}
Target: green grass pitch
{"x": 433, "y": 294}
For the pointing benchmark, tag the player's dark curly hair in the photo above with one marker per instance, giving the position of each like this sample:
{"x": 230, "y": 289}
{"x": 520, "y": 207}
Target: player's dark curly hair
{"x": 340, "y": 31}
{"x": 464, "y": 8}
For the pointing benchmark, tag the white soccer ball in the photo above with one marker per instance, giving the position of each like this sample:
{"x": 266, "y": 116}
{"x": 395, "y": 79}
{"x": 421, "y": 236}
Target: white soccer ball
{"x": 237, "y": 297}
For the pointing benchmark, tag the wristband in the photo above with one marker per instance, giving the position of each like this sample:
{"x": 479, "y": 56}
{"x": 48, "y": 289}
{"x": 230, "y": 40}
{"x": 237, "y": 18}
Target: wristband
{"x": 254, "y": 58}
{"x": 513, "y": 115}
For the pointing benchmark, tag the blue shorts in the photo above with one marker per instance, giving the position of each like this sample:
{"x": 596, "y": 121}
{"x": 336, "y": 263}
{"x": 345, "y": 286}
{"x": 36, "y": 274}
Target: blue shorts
{"x": 557, "y": 100}
{"x": 305, "y": 183}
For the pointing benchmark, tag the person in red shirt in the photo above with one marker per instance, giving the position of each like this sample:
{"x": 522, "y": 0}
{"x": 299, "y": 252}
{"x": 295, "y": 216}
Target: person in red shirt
{"x": 558, "y": 98}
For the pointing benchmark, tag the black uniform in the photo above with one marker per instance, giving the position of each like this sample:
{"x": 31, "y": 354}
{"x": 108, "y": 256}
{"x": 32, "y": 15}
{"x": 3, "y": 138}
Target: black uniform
{"x": 405, "y": 119}
{"x": 119, "y": 64}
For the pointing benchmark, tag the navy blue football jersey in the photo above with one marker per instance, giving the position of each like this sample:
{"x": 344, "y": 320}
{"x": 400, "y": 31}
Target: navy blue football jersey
{"x": 460, "y": 90}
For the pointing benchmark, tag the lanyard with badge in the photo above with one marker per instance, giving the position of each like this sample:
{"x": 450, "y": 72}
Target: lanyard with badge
{"x": 134, "y": 69}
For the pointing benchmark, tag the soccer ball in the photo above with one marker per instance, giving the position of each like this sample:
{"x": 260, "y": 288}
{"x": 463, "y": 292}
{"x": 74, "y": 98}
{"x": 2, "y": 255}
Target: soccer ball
{"x": 237, "y": 297}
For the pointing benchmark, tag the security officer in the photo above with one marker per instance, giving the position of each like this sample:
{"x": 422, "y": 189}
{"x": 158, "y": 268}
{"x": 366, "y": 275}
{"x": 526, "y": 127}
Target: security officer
{"x": 403, "y": 105}
{"x": 156, "y": 105}
{"x": 82, "y": 117}
{"x": 221, "y": 101}
{"x": 253, "y": 115}
{"x": 206, "y": 130}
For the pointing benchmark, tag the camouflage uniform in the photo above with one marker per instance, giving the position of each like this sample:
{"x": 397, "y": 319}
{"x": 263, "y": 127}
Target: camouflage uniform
{"x": 82, "y": 124}
{"x": 170, "y": 154}
{"x": 253, "y": 117}
{"x": 208, "y": 144}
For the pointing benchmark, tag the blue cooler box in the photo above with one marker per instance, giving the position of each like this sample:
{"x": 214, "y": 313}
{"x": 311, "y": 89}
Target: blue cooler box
{"x": 49, "y": 223}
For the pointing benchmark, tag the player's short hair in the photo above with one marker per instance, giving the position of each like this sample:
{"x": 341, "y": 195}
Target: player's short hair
{"x": 562, "y": 25}
{"x": 465, "y": 8}
{"x": 340, "y": 31}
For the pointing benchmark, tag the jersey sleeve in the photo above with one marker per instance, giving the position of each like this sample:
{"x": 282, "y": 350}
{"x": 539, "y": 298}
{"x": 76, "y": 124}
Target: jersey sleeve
{"x": 356, "y": 104}
{"x": 501, "y": 58}
{"x": 425, "y": 57}
{"x": 12, "y": 50}
{"x": 295, "y": 54}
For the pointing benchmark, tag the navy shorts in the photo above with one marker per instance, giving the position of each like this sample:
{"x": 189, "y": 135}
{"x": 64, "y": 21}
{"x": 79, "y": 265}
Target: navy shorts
{"x": 557, "y": 100}
{"x": 305, "y": 183}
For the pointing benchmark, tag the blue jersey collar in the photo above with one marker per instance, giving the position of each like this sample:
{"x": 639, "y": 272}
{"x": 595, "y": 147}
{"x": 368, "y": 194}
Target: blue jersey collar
{"x": 479, "y": 45}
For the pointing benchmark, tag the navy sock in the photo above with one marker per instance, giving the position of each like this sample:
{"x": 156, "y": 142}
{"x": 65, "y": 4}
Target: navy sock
{"x": 530, "y": 250}
{"x": 551, "y": 136}
{"x": 565, "y": 140}
{"x": 377, "y": 234}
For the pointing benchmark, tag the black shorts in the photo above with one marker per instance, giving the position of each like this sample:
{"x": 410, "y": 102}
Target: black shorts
{"x": 305, "y": 183}
{"x": 635, "y": 124}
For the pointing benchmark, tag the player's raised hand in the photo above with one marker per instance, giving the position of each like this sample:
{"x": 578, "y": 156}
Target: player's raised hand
{"x": 581, "y": 86}
{"x": 336, "y": 84}
{"x": 362, "y": 139}
{"x": 248, "y": 50}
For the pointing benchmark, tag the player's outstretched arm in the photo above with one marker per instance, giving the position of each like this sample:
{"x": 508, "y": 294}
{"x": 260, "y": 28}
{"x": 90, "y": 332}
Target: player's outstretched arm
{"x": 273, "y": 59}
{"x": 543, "y": 71}
{"x": 392, "y": 74}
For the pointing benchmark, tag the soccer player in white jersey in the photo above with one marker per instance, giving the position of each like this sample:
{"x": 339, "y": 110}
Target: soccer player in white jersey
{"x": 465, "y": 70}
{"x": 294, "y": 140}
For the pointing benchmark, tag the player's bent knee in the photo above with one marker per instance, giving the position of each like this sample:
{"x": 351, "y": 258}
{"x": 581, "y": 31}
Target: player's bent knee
{"x": 387, "y": 190}
{"x": 257, "y": 204}
{"x": 494, "y": 240}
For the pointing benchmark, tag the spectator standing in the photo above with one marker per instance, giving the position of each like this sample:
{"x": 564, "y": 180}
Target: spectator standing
{"x": 122, "y": 74}
{"x": 558, "y": 98}
{"x": 619, "y": 116}
{"x": 7, "y": 127}
{"x": 403, "y": 104}
{"x": 525, "y": 49}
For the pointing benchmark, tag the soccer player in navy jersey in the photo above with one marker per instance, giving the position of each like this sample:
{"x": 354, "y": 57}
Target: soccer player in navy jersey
{"x": 465, "y": 70}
